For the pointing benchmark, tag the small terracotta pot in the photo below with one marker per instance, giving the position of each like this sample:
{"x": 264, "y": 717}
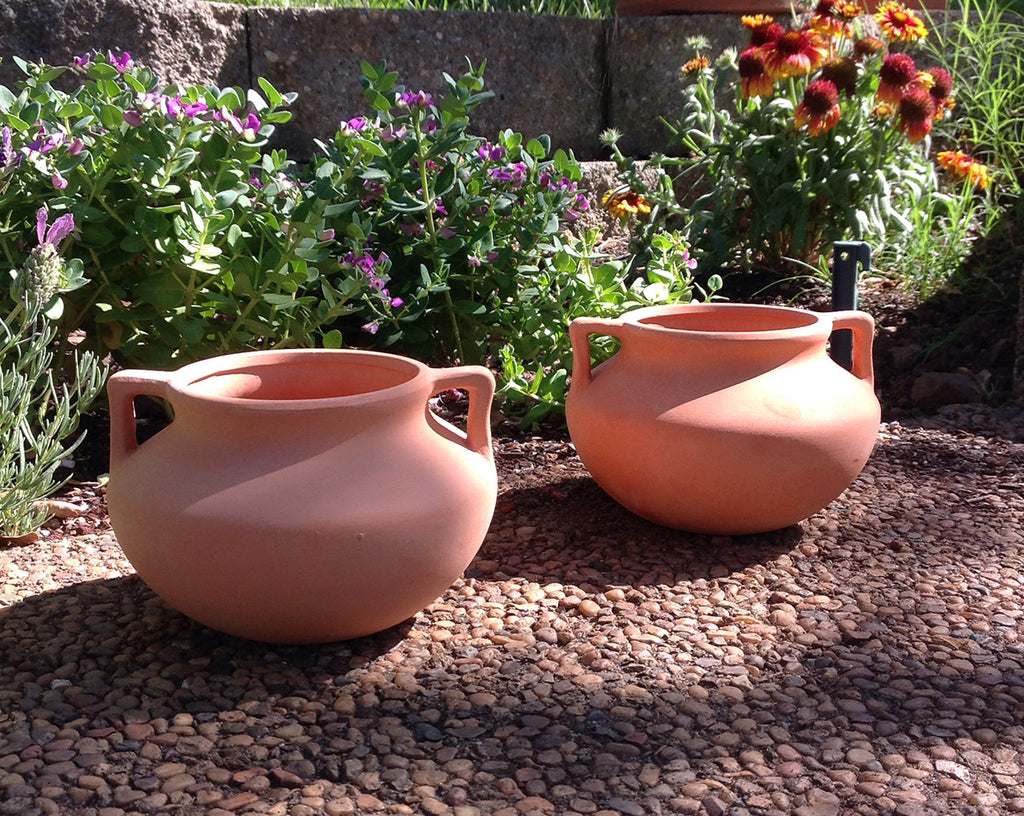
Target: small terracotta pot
{"x": 301, "y": 496}
{"x": 723, "y": 418}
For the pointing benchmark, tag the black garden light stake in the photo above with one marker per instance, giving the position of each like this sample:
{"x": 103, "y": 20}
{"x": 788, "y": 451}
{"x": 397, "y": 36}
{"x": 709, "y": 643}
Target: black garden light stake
{"x": 846, "y": 255}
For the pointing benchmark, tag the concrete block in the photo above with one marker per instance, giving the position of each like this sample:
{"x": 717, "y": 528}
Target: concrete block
{"x": 546, "y": 72}
{"x": 644, "y": 57}
{"x": 183, "y": 41}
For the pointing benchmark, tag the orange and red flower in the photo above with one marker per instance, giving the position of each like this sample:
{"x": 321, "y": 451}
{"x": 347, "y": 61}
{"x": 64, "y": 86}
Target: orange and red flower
{"x": 941, "y": 89}
{"x": 625, "y": 203}
{"x": 895, "y": 75}
{"x": 763, "y": 28}
{"x": 695, "y": 65}
{"x": 964, "y": 167}
{"x": 795, "y": 53}
{"x": 832, "y": 18}
{"x": 754, "y": 79}
{"x": 841, "y": 72}
{"x": 867, "y": 47}
{"x": 900, "y": 23}
{"x": 819, "y": 109}
{"x": 916, "y": 111}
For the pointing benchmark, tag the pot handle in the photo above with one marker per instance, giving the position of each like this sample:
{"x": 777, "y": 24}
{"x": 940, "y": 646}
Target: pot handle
{"x": 478, "y": 382}
{"x": 122, "y": 388}
{"x": 863, "y": 327}
{"x": 579, "y": 336}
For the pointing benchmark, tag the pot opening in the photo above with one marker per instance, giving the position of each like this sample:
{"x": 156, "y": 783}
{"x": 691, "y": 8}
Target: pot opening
{"x": 304, "y": 380}
{"x": 723, "y": 319}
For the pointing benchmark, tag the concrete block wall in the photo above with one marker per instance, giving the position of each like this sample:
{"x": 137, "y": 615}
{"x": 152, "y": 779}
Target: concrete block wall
{"x": 566, "y": 77}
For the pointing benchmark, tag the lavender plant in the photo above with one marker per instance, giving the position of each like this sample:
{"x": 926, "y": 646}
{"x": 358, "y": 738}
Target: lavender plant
{"x": 39, "y": 412}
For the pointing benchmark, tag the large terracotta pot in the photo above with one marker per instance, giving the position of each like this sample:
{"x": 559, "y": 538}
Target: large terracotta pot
{"x": 723, "y": 418}
{"x": 301, "y": 496}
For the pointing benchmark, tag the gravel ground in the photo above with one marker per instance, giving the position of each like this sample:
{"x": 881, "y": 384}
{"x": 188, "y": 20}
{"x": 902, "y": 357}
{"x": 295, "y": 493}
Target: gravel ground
{"x": 869, "y": 660}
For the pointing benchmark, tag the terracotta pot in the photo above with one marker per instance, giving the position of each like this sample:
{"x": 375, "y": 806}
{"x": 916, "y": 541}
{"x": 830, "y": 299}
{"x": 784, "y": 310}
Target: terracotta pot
{"x": 301, "y": 496}
{"x": 723, "y": 418}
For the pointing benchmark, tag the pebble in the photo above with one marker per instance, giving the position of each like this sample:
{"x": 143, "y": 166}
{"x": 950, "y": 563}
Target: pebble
{"x": 866, "y": 661}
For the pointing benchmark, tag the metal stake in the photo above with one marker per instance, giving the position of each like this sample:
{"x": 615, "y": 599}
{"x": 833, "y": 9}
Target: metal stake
{"x": 846, "y": 255}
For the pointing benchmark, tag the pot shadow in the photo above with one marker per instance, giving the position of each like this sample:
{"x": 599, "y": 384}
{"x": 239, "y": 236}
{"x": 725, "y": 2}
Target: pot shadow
{"x": 100, "y": 649}
{"x": 569, "y": 530}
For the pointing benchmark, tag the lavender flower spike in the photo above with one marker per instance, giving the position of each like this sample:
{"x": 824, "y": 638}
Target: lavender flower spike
{"x": 6, "y": 149}
{"x": 59, "y": 229}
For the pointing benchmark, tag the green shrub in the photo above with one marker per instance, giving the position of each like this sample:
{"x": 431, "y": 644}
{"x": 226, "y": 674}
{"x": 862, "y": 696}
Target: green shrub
{"x": 465, "y": 241}
{"x": 826, "y": 138}
{"x": 407, "y": 232}
{"x": 191, "y": 242}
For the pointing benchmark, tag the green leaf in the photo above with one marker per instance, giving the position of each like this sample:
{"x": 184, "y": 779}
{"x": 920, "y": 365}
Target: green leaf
{"x": 273, "y": 95}
{"x": 468, "y": 307}
{"x": 111, "y": 117}
{"x": 333, "y": 339}
{"x": 162, "y": 290}
{"x": 190, "y": 329}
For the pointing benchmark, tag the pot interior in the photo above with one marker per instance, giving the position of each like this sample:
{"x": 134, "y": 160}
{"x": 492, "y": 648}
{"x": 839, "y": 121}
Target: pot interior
{"x": 311, "y": 379}
{"x": 724, "y": 319}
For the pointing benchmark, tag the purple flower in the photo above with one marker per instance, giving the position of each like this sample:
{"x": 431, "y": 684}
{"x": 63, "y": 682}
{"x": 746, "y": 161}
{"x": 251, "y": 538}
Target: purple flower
{"x": 448, "y": 232}
{"x": 256, "y": 182}
{"x": 492, "y": 257}
{"x": 417, "y": 99}
{"x": 251, "y": 127}
{"x": 326, "y": 235}
{"x": 371, "y": 328}
{"x": 473, "y": 260}
{"x": 501, "y": 174}
{"x": 247, "y": 129}
{"x": 195, "y": 108}
{"x": 354, "y": 126}
{"x": 489, "y": 152}
{"x": 59, "y": 229}
{"x": 59, "y": 182}
{"x": 6, "y": 148}
{"x": 75, "y": 147}
{"x": 389, "y": 134}
{"x": 411, "y": 229}
{"x": 429, "y": 127}
{"x": 85, "y": 61}
{"x": 172, "y": 106}
{"x": 122, "y": 62}
{"x": 397, "y": 303}
{"x": 133, "y": 118}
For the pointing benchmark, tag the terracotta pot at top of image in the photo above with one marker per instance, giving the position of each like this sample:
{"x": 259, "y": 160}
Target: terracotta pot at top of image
{"x": 301, "y": 496}
{"x": 723, "y": 418}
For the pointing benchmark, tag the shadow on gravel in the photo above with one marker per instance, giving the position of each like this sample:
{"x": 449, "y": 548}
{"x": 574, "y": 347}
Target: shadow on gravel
{"x": 571, "y": 530}
{"x": 72, "y": 650}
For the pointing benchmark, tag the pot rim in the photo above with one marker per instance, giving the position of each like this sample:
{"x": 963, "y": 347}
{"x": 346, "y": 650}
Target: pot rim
{"x": 796, "y": 323}
{"x": 182, "y": 383}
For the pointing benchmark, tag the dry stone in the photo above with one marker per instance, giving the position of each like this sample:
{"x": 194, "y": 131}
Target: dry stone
{"x": 184, "y": 41}
{"x": 545, "y": 72}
